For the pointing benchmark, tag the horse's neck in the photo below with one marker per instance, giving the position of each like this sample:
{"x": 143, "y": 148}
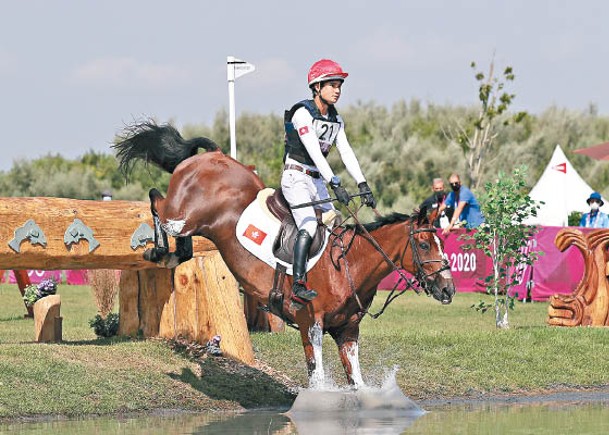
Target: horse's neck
{"x": 391, "y": 239}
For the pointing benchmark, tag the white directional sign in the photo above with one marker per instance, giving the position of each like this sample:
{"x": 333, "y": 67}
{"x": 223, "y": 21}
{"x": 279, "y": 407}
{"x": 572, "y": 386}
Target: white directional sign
{"x": 236, "y": 68}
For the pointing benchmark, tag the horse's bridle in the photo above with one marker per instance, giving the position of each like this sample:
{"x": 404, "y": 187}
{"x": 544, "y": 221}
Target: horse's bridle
{"x": 420, "y": 274}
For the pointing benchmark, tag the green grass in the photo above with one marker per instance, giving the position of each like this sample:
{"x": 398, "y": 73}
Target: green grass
{"x": 442, "y": 351}
{"x": 454, "y": 350}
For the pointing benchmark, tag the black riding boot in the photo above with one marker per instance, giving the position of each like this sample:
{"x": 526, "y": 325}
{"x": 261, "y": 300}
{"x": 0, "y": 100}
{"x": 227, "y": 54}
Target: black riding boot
{"x": 301, "y": 255}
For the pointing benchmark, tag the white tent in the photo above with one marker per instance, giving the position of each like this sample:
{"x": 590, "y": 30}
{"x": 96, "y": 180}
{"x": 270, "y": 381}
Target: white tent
{"x": 562, "y": 190}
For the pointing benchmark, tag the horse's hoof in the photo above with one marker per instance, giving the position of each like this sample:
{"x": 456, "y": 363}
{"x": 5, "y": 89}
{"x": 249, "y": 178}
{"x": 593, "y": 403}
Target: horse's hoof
{"x": 170, "y": 261}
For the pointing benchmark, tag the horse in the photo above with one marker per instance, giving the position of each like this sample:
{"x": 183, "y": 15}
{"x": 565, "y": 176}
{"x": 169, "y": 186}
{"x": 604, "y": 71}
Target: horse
{"x": 207, "y": 194}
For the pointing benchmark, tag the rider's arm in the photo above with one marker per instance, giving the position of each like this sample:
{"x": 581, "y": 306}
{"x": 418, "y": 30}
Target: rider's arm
{"x": 303, "y": 123}
{"x": 348, "y": 156}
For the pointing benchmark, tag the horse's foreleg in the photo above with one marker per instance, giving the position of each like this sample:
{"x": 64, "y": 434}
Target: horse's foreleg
{"x": 312, "y": 339}
{"x": 161, "y": 245}
{"x": 348, "y": 349}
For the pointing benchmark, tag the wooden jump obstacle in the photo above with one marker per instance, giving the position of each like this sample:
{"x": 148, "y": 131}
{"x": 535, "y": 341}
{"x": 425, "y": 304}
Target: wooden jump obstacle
{"x": 588, "y": 305}
{"x": 197, "y": 300}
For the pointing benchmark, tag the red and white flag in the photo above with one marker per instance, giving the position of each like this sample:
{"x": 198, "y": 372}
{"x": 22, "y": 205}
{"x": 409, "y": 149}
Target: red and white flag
{"x": 561, "y": 167}
{"x": 256, "y": 235}
{"x": 303, "y": 130}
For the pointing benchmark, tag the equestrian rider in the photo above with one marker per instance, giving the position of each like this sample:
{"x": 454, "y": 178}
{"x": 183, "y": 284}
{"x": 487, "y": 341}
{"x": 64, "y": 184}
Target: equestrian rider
{"x": 312, "y": 127}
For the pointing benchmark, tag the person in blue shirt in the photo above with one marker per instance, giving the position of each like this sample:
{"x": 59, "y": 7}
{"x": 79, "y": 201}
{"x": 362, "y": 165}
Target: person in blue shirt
{"x": 595, "y": 218}
{"x": 465, "y": 204}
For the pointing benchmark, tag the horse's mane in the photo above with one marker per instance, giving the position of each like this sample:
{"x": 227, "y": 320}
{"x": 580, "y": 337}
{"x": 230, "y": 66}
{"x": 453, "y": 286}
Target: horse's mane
{"x": 381, "y": 221}
{"x": 161, "y": 145}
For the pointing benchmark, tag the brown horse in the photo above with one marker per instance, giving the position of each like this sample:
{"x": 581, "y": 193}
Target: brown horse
{"x": 206, "y": 196}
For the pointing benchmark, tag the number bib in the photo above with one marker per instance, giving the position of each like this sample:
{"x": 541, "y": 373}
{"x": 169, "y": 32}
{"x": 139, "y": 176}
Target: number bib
{"x": 326, "y": 132}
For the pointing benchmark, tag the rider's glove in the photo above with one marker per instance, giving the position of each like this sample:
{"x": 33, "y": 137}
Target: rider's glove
{"x": 339, "y": 191}
{"x": 367, "y": 197}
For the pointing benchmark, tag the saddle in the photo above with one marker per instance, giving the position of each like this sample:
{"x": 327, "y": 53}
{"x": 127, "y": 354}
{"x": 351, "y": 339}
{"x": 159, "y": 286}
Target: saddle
{"x": 283, "y": 247}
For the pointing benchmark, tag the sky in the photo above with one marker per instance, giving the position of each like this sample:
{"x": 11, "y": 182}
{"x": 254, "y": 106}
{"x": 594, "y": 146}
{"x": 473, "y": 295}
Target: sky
{"x": 74, "y": 73}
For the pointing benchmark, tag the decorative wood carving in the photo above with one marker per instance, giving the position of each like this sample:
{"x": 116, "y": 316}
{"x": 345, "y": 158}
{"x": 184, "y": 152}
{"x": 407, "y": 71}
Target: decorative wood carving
{"x": 588, "y": 305}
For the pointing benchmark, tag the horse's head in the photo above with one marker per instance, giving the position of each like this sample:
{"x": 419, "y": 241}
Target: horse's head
{"x": 426, "y": 260}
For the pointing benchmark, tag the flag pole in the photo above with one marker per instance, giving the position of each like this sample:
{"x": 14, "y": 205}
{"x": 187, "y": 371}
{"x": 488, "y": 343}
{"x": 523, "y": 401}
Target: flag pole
{"x": 235, "y": 68}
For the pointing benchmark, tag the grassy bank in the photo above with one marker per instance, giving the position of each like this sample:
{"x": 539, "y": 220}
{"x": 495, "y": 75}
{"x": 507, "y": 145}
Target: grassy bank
{"x": 442, "y": 351}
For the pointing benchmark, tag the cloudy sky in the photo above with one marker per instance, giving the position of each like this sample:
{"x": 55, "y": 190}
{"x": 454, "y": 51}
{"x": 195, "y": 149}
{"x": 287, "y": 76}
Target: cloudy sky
{"x": 72, "y": 73}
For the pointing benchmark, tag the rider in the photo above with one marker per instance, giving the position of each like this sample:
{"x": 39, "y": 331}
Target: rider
{"x": 312, "y": 127}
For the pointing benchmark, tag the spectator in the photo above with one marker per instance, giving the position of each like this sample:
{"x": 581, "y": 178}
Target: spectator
{"x": 595, "y": 218}
{"x": 465, "y": 205}
{"x": 435, "y": 201}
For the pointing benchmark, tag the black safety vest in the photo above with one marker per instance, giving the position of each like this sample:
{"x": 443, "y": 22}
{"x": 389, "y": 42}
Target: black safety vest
{"x": 326, "y": 130}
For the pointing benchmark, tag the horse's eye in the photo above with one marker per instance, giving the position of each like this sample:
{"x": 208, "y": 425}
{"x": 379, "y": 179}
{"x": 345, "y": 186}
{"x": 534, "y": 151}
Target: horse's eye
{"x": 424, "y": 246}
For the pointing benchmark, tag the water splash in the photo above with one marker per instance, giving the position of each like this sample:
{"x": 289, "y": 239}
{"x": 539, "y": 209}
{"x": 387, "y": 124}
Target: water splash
{"x": 334, "y": 410}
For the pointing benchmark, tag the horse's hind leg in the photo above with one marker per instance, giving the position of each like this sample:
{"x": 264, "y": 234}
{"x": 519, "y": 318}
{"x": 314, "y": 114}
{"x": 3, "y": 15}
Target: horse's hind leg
{"x": 161, "y": 245}
{"x": 160, "y": 253}
{"x": 348, "y": 349}
{"x": 184, "y": 248}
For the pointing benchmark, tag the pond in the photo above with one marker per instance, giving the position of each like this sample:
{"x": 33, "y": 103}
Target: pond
{"x": 382, "y": 410}
{"x": 522, "y": 418}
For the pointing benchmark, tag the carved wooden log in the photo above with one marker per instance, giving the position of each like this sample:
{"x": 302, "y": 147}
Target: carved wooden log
{"x": 199, "y": 301}
{"x": 588, "y": 305}
{"x": 58, "y": 233}
{"x": 47, "y": 319}
{"x": 27, "y": 223}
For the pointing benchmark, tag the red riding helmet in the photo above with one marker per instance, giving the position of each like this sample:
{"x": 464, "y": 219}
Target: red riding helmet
{"x": 324, "y": 70}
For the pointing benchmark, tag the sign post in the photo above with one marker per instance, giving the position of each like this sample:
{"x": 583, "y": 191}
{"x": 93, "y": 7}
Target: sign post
{"x": 235, "y": 68}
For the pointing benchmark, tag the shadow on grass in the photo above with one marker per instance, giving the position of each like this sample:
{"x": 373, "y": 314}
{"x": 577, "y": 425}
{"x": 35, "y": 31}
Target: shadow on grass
{"x": 225, "y": 379}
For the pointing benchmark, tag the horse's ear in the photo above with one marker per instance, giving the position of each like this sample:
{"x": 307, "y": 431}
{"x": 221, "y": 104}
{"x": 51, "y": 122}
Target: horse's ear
{"x": 433, "y": 215}
{"x": 422, "y": 217}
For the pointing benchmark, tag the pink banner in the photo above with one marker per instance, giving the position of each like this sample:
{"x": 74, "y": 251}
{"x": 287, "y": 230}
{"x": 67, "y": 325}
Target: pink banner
{"x": 554, "y": 271}
{"x": 36, "y": 276}
{"x": 76, "y": 277}
{"x": 72, "y": 277}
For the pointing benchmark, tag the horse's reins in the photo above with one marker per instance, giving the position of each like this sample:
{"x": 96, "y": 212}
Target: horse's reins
{"x": 420, "y": 274}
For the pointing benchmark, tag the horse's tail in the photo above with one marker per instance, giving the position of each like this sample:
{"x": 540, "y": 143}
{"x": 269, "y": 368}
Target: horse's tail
{"x": 161, "y": 145}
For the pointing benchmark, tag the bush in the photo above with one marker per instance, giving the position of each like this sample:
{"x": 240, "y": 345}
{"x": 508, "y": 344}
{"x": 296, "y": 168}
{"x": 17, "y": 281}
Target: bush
{"x": 105, "y": 327}
{"x": 35, "y": 292}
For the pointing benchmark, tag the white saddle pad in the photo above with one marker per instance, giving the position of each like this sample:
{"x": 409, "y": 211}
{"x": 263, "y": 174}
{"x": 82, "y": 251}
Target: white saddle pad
{"x": 257, "y": 230}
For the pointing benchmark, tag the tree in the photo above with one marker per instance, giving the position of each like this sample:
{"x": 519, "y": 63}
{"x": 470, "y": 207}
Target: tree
{"x": 477, "y": 136}
{"x": 504, "y": 237}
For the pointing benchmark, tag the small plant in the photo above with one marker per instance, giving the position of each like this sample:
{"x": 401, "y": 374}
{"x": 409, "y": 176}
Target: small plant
{"x": 105, "y": 327}
{"x": 35, "y": 292}
{"x": 504, "y": 239}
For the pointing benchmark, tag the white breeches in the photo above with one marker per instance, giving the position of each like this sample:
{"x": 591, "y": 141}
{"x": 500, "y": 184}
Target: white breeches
{"x": 300, "y": 188}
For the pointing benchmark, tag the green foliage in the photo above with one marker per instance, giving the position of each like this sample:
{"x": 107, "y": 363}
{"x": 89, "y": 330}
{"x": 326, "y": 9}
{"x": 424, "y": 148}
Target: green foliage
{"x": 30, "y": 295}
{"x": 105, "y": 327}
{"x": 34, "y": 292}
{"x": 504, "y": 238}
{"x": 400, "y": 148}
{"x": 574, "y": 218}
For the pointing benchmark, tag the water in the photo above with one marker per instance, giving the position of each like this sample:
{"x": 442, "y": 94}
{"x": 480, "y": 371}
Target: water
{"x": 384, "y": 409}
{"x": 530, "y": 418}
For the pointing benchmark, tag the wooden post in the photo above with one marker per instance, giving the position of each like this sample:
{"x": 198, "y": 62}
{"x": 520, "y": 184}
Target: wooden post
{"x": 47, "y": 319}
{"x": 199, "y": 300}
